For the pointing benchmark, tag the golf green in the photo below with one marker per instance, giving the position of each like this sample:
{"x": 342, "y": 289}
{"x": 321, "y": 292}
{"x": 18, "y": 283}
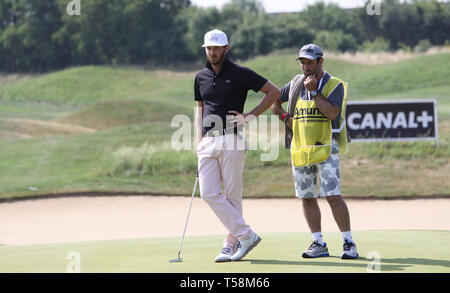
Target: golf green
{"x": 409, "y": 251}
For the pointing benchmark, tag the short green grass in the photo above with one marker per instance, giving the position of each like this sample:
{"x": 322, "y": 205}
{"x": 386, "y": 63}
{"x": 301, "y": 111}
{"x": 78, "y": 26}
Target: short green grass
{"x": 405, "y": 251}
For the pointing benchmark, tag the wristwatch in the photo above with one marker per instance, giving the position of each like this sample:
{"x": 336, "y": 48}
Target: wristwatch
{"x": 314, "y": 93}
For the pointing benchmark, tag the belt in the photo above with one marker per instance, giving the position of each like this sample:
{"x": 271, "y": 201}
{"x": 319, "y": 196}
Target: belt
{"x": 216, "y": 133}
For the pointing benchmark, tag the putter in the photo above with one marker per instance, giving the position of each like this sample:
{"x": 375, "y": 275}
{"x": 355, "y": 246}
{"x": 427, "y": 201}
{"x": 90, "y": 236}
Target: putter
{"x": 179, "y": 259}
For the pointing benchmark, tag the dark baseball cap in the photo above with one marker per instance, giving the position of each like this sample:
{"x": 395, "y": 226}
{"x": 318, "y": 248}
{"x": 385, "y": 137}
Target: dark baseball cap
{"x": 310, "y": 51}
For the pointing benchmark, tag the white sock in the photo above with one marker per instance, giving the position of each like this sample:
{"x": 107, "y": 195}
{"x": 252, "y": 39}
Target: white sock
{"x": 347, "y": 236}
{"x": 317, "y": 237}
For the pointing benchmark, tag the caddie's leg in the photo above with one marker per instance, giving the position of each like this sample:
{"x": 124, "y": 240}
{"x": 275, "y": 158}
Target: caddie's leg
{"x": 342, "y": 217}
{"x": 329, "y": 176}
{"x": 340, "y": 212}
{"x": 312, "y": 214}
{"x": 305, "y": 181}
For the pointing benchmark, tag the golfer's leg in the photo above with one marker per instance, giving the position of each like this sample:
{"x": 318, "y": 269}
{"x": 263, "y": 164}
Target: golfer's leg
{"x": 210, "y": 178}
{"x": 232, "y": 166}
{"x": 210, "y": 182}
{"x": 208, "y": 169}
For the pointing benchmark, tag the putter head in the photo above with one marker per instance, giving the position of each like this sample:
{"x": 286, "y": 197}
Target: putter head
{"x": 179, "y": 259}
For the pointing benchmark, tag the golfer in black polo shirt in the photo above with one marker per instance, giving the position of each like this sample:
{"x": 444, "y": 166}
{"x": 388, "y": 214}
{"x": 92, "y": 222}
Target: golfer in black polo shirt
{"x": 220, "y": 93}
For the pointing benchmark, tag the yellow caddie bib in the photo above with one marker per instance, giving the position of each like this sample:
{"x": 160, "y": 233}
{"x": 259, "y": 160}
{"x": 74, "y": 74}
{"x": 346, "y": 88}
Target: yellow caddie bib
{"x": 311, "y": 141}
{"x": 312, "y": 131}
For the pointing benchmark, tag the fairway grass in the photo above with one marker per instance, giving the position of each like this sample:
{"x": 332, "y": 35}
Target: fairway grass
{"x": 399, "y": 251}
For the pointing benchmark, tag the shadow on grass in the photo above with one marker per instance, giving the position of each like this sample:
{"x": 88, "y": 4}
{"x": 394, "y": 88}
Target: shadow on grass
{"x": 418, "y": 261}
{"x": 386, "y": 264}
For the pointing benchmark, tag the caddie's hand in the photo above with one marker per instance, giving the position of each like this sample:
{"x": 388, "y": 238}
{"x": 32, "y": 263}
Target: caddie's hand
{"x": 240, "y": 118}
{"x": 289, "y": 122}
{"x": 311, "y": 83}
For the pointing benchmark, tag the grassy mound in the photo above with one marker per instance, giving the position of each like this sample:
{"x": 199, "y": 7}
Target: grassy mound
{"x": 117, "y": 113}
{"x": 47, "y": 140}
{"x": 26, "y": 128}
{"x": 365, "y": 80}
{"x": 91, "y": 84}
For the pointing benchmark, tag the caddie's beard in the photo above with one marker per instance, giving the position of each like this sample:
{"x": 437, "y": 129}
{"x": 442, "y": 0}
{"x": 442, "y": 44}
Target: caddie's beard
{"x": 312, "y": 73}
{"x": 216, "y": 59}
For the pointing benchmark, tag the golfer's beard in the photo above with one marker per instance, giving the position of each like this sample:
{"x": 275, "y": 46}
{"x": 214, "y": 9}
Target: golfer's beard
{"x": 218, "y": 60}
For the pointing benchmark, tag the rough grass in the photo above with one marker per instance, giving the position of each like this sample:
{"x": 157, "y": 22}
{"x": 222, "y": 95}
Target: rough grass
{"x": 8, "y": 78}
{"x": 150, "y": 159}
{"x": 26, "y": 128}
{"x": 365, "y": 81}
{"x": 131, "y": 108}
{"x": 109, "y": 114}
{"x": 373, "y": 169}
{"x": 383, "y": 57}
{"x": 90, "y": 84}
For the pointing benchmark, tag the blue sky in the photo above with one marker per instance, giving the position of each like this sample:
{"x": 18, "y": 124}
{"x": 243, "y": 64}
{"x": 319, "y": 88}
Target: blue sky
{"x": 283, "y": 5}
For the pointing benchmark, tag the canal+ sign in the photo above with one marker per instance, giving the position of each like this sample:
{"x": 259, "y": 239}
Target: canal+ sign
{"x": 392, "y": 120}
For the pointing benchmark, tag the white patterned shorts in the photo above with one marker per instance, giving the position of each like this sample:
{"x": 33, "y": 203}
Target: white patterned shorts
{"x": 305, "y": 178}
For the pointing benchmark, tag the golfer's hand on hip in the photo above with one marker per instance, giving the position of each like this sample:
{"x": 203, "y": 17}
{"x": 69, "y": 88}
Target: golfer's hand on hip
{"x": 240, "y": 118}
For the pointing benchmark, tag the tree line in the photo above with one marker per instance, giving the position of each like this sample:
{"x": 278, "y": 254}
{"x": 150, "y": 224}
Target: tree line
{"x": 37, "y": 36}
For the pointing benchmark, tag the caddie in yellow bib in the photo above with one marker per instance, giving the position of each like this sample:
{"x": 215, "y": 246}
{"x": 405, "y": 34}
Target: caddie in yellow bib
{"x": 312, "y": 130}
{"x": 316, "y": 135}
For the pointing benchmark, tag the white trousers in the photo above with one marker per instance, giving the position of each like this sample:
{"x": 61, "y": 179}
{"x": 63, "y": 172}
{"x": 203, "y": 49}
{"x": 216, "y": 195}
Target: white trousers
{"x": 221, "y": 162}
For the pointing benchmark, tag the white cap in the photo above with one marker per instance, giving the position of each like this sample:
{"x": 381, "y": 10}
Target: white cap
{"x": 215, "y": 38}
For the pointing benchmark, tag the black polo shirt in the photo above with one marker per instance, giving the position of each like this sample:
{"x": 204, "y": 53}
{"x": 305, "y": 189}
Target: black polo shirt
{"x": 226, "y": 91}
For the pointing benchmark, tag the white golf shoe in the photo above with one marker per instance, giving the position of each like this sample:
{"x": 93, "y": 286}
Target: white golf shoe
{"x": 225, "y": 255}
{"x": 245, "y": 246}
{"x": 350, "y": 251}
{"x": 316, "y": 250}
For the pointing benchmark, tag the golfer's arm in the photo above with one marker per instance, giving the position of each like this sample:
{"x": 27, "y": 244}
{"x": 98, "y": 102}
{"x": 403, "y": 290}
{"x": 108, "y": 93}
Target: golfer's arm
{"x": 198, "y": 122}
{"x": 326, "y": 108}
{"x": 272, "y": 93}
{"x": 277, "y": 109}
